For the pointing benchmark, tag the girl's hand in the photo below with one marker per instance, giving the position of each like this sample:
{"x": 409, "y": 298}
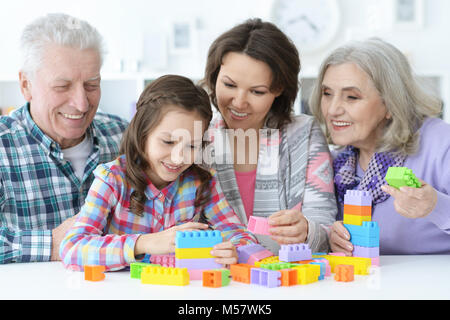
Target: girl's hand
{"x": 288, "y": 227}
{"x": 413, "y": 203}
{"x": 163, "y": 242}
{"x": 225, "y": 253}
{"x": 340, "y": 239}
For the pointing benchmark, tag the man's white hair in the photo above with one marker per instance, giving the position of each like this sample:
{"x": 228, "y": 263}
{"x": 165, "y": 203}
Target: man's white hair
{"x": 56, "y": 29}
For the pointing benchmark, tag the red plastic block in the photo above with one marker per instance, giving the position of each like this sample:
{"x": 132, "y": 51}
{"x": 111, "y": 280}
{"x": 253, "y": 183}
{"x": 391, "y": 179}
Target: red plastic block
{"x": 94, "y": 273}
{"x": 344, "y": 273}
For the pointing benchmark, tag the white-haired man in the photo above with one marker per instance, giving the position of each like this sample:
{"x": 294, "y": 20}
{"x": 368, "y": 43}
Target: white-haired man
{"x": 50, "y": 146}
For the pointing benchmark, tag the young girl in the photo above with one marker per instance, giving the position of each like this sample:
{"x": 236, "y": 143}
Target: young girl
{"x": 138, "y": 201}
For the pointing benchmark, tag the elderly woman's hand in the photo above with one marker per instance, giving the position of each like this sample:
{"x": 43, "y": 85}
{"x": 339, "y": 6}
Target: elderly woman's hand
{"x": 288, "y": 226}
{"x": 413, "y": 202}
{"x": 340, "y": 239}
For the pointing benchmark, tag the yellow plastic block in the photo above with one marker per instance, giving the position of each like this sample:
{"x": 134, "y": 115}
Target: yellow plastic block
{"x": 165, "y": 275}
{"x": 268, "y": 260}
{"x": 356, "y": 220}
{"x": 193, "y": 253}
{"x": 307, "y": 273}
{"x": 361, "y": 265}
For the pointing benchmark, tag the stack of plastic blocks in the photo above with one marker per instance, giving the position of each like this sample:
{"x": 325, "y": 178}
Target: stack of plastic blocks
{"x": 364, "y": 233}
{"x": 252, "y": 253}
{"x": 192, "y": 251}
{"x": 216, "y": 278}
{"x": 294, "y": 252}
{"x": 401, "y": 177}
{"x": 164, "y": 260}
{"x": 258, "y": 225}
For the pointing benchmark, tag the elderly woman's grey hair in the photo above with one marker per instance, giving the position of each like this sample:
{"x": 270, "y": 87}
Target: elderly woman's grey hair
{"x": 407, "y": 98}
{"x": 56, "y": 29}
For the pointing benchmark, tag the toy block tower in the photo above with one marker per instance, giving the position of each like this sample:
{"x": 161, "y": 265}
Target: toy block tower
{"x": 192, "y": 251}
{"x": 364, "y": 233}
{"x": 400, "y": 177}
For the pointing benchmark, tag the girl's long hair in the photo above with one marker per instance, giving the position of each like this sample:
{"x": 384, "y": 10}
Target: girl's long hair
{"x": 169, "y": 90}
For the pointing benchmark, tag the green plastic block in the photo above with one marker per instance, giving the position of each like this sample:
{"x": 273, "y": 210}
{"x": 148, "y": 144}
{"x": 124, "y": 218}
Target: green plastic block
{"x": 225, "y": 277}
{"x": 136, "y": 268}
{"x": 401, "y": 177}
{"x": 276, "y": 266}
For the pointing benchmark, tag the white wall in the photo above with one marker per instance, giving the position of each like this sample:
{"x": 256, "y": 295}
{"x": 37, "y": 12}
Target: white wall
{"x": 139, "y": 31}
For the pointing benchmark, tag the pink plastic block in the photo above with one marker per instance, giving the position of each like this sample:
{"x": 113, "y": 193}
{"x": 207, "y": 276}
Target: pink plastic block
{"x": 165, "y": 260}
{"x": 327, "y": 266}
{"x": 375, "y": 261}
{"x": 196, "y": 274}
{"x": 259, "y": 256}
{"x": 207, "y": 263}
{"x": 258, "y": 225}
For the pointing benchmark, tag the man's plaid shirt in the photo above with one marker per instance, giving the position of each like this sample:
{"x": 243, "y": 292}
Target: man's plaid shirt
{"x": 38, "y": 188}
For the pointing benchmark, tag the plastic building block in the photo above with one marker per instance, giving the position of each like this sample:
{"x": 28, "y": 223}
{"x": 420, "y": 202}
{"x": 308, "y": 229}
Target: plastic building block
{"x": 276, "y": 266}
{"x": 294, "y": 252}
{"x": 323, "y": 269}
{"x": 240, "y": 272}
{"x": 366, "y": 252}
{"x": 398, "y": 177}
{"x": 289, "y": 277}
{"x": 94, "y": 273}
{"x": 356, "y": 220}
{"x": 193, "y": 253}
{"x": 197, "y": 239}
{"x": 258, "y": 225}
{"x": 165, "y": 275}
{"x": 367, "y": 235}
{"x": 208, "y": 263}
{"x": 307, "y": 273}
{"x": 136, "y": 268}
{"x": 361, "y": 265}
{"x": 268, "y": 260}
{"x": 358, "y": 198}
{"x": 196, "y": 274}
{"x": 164, "y": 260}
{"x": 252, "y": 253}
{"x": 357, "y": 210}
{"x": 344, "y": 273}
{"x": 327, "y": 265}
{"x": 216, "y": 278}
{"x": 265, "y": 278}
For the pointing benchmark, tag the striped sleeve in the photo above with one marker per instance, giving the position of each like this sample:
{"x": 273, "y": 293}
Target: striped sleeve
{"x": 85, "y": 243}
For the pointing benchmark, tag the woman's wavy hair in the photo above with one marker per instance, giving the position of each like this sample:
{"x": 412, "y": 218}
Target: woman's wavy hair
{"x": 166, "y": 91}
{"x": 408, "y": 99}
{"x": 262, "y": 41}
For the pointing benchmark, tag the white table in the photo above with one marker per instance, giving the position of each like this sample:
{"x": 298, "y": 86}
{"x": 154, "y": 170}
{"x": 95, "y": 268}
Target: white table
{"x": 398, "y": 277}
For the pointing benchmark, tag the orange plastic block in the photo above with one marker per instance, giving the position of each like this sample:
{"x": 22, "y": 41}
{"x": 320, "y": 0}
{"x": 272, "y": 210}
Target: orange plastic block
{"x": 212, "y": 278}
{"x": 240, "y": 272}
{"x": 357, "y": 210}
{"x": 344, "y": 273}
{"x": 94, "y": 273}
{"x": 288, "y": 277}
{"x": 303, "y": 262}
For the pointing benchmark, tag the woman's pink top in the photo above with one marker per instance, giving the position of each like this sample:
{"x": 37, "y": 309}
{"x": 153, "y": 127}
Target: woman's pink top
{"x": 246, "y": 184}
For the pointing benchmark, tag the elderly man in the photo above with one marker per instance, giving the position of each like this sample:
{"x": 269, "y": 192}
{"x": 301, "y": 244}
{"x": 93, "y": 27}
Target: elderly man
{"x": 50, "y": 146}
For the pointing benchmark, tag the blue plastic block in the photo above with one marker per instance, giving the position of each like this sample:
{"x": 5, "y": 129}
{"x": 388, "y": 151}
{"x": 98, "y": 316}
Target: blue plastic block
{"x": 197, "y": 239}
{"x": 369, "y": 229}
{"x": 358, "y": 198}
{"x": 365, "y": 242}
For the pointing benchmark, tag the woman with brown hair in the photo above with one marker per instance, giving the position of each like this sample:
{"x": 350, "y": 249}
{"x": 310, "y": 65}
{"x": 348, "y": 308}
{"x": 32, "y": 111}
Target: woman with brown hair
{"x": 138, "y": 201}
{"x": 269, "y": 162}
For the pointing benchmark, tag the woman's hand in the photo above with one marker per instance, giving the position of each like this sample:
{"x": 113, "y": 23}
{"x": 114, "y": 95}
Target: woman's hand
{"x": 340, "y": 239}
{"x": 225, "y": 253}
{"x": 288, "y": 227}
{"x": 163, "y": 242}
{"x": 413, "y": 203}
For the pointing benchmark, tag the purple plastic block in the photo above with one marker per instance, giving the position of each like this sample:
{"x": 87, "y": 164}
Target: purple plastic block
{"x": 245, "y": 252}
{"x": 366, "y": 252}
{"x": 208, "y": 263}
{"x": 258, "y": 225}
{"x": 358, "y": 198}
{"x": 265, "y": 277}
{"x": 294, "y": 252}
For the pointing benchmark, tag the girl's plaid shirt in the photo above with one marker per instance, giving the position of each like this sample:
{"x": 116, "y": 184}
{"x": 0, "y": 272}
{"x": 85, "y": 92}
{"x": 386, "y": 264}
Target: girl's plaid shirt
{"x": 105, "y": 232}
